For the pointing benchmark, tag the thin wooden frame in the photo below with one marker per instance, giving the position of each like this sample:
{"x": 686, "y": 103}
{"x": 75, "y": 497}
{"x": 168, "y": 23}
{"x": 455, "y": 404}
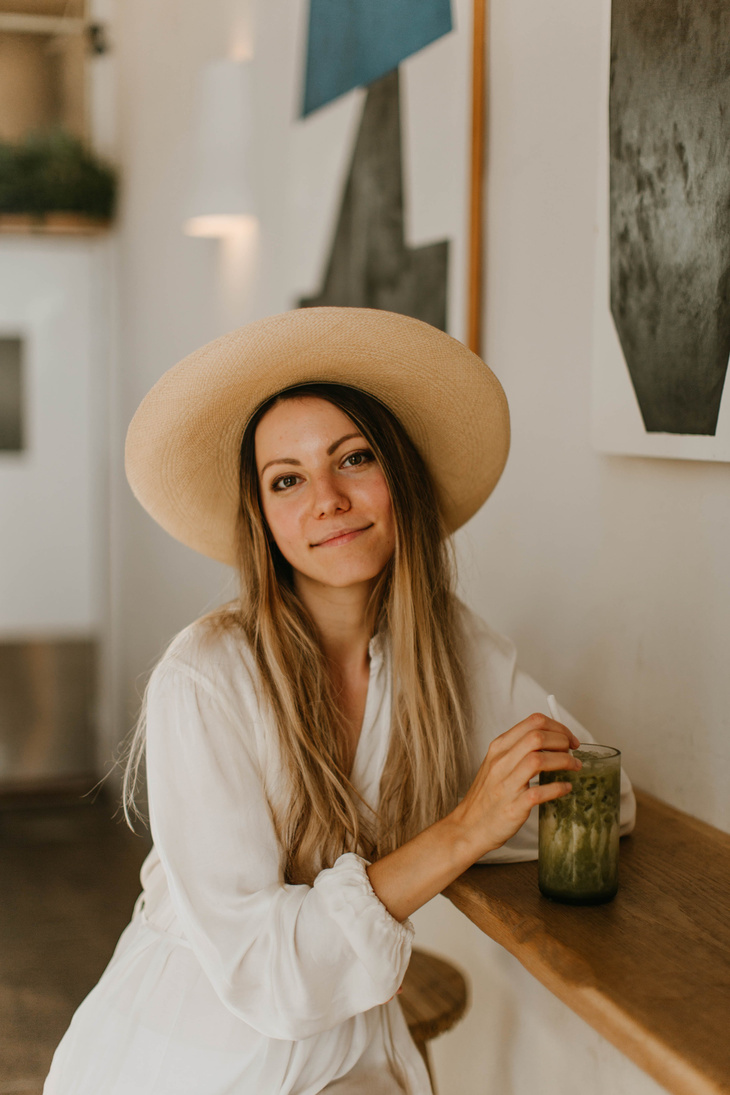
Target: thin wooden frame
{"x": 475, "y": 276}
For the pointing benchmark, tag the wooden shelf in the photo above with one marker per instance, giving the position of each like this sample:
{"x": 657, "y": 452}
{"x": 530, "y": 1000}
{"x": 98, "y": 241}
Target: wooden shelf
{"x": 650, "y": 970}
{"x": 53, "y": 224}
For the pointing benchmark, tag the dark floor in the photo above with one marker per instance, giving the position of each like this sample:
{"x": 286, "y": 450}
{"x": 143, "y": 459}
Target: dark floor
{"x": 69, "y": 877}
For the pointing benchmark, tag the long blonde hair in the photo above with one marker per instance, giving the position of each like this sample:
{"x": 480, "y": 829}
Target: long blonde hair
{"x": 412, "y": 604}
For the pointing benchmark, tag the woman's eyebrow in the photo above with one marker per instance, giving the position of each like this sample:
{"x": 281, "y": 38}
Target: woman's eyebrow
{"x": 297, "y": 463}
{"x": 336, "y": 444}
{"x": 281, "y": 460}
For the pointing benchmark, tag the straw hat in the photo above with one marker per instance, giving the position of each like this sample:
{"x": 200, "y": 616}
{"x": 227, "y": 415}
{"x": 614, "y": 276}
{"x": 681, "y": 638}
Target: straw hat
{"x": 183, "y": 444}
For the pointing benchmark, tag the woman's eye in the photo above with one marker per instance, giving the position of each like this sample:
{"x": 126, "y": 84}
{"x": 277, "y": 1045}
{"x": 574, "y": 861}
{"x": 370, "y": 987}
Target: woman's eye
{"x": 283, "y": 482}
{"x": 357, "y": 459}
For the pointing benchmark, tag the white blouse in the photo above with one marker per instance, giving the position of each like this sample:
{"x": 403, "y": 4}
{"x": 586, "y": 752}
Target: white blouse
{"x": 228, "y": 980}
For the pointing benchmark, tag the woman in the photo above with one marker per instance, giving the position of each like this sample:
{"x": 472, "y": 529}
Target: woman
{"x": 330, "y": 750}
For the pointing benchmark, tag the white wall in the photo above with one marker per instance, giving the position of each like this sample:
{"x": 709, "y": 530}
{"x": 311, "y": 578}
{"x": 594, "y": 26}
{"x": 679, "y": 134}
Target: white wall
{"x": 610, "y": 573}
{"x": 170, "y": 290}
{"x": 54, "y": 295}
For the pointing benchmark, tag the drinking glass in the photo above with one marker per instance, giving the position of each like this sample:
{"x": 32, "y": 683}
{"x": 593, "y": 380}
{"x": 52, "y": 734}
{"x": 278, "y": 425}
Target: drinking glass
{"x": 578, "y": 840}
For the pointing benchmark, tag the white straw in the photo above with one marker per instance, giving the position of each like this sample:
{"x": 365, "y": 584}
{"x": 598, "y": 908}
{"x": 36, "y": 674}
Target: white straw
{"x": 553, "y": 705}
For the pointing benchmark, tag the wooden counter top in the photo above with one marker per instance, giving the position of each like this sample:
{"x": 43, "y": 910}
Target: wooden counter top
{"x": 651, "y": 969}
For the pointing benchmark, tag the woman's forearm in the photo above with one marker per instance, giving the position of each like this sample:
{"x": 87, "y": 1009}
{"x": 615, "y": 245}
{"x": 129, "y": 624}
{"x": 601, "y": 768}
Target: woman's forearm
{"x": 424, "y": 866}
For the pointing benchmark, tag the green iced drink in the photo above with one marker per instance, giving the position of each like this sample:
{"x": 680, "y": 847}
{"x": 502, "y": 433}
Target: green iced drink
{"x": 579, "y": 832}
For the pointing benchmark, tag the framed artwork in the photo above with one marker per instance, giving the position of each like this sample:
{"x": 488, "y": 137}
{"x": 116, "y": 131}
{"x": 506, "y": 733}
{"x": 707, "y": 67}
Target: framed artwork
{"x": 662, "y": 300}
{"x": 386, "y": 166}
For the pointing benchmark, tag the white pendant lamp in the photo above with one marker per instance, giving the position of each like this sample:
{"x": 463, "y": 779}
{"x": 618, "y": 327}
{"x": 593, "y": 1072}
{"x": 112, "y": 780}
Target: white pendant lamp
{"x": 221, "y": 195}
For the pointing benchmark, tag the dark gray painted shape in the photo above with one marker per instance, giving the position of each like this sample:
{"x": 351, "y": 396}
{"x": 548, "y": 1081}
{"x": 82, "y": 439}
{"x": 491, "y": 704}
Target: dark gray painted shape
{"x": 670, "y": 206}
{"x": 369, "y": 264}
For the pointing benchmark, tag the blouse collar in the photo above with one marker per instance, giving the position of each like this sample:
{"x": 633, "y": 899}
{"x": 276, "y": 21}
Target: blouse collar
{"x": 376, "y": 649}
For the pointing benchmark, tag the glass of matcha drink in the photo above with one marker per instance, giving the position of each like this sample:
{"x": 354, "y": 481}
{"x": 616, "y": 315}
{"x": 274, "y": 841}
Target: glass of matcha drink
{"x": 579, "y": 832}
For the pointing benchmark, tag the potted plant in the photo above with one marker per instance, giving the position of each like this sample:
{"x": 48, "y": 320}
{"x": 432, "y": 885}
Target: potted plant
{"x": 52, "y": 182}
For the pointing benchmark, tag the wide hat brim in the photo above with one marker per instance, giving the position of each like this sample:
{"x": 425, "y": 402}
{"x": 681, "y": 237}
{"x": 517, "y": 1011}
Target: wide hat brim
{"x": 183, "y": 444}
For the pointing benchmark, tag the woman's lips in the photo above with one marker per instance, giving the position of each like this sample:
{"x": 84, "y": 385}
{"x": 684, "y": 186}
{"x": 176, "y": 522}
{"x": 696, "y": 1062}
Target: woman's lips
{"x": 342, "y": 537}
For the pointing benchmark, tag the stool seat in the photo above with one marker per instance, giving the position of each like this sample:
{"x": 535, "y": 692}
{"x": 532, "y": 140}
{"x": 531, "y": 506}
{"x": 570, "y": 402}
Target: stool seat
{"x": 434, "y": 997}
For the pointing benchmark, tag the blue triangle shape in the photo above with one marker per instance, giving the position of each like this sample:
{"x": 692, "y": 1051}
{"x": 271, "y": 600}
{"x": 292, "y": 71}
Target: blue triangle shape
{"x": 354, "y": 42}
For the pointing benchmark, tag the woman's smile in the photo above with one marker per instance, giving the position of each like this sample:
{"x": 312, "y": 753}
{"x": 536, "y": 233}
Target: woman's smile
{"x": 343, "y": 536}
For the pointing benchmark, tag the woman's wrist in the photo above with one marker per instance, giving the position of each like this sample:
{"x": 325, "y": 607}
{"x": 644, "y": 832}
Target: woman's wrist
{"x": 470, "y": 840}
{"x": 407, "y": 878}
{"x": 458, "y": 841}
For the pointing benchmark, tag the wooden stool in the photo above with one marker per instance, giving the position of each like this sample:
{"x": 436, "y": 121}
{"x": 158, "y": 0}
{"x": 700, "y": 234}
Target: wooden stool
{"x": 434, "y": 997}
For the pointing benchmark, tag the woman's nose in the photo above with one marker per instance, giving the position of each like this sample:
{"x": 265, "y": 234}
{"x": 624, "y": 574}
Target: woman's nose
{"x": 329, "y": 497}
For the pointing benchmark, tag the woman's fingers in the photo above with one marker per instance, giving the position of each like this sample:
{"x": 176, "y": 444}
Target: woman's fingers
{"x": 535, "y": 762}
{"x": 534, "y": 737}
{"x": 542, "y": 741}
{"x": 533, "y": 731}
{"x": 546, "y": 792}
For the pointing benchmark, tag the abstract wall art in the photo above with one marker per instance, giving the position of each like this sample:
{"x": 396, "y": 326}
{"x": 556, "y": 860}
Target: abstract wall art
{"x": 662, "y": 309}
{"x": 383, "y": 152}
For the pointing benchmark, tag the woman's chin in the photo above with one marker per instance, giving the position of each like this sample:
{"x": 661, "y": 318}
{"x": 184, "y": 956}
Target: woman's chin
{"x": 341, "y": 577}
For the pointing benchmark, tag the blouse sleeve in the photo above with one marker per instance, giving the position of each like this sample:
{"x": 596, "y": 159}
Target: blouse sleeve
{"x": 290, "y": 960}
{"x": 503, "y": 695}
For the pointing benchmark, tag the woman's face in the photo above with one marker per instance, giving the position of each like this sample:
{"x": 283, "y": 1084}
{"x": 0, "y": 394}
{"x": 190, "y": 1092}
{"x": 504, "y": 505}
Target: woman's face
{"x": 323, "y": 494}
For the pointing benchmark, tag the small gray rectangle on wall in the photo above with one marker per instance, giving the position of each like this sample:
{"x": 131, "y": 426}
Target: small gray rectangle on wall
{"x": 11, "y": 395}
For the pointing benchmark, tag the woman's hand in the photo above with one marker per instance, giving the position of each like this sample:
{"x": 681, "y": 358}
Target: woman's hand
{"x": 495, "y": 806}
{"x": 500, "y": 798}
